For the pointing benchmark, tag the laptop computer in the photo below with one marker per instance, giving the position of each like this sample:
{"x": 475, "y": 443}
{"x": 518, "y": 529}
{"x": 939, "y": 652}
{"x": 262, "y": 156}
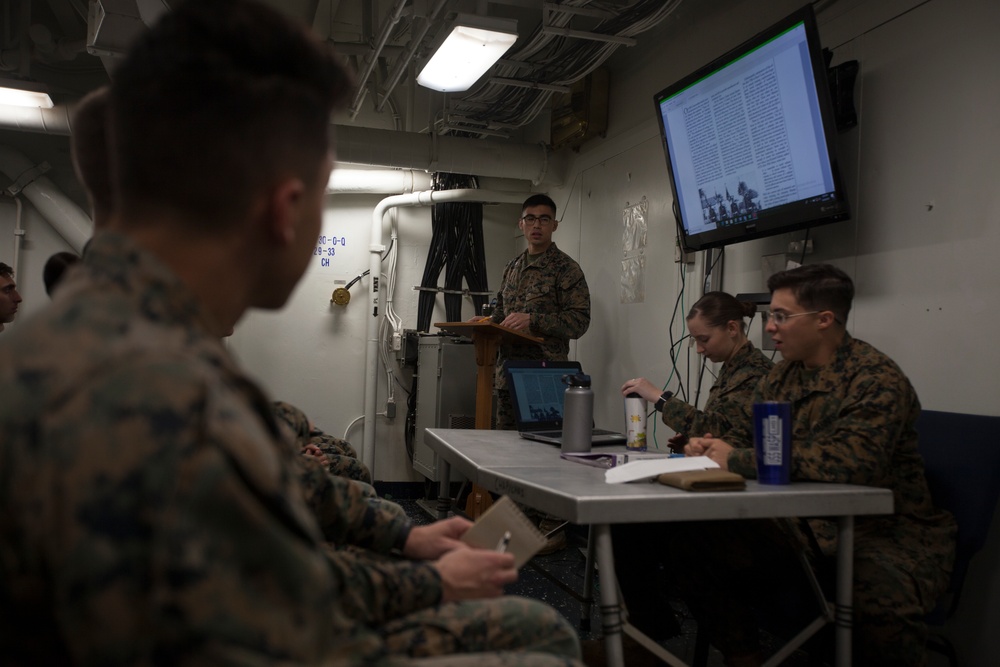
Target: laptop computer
{"x": 537, "y": 391}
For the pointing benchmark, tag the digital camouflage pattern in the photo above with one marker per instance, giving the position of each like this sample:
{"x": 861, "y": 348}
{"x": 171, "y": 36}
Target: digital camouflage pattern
{"x": 342, "y": 457}
{"x": 501, "y": 624}
{"x": 854, "y": 422}
{"x": 344, "y": 461}
{"x": 729, "y": 400}
{"x": 554, "y": 291}
{"x": 294, "y": 418}
{"x": 331, "y": 444}
{"x": 149, "y": 512}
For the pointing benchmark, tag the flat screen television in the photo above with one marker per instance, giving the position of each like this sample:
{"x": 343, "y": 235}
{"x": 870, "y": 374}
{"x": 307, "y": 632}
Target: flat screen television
{"x": 749, "y": 140}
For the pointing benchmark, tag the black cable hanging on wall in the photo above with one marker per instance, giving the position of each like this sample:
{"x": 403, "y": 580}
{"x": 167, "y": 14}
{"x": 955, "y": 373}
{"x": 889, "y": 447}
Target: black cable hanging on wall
{"x": 457, "y": 247}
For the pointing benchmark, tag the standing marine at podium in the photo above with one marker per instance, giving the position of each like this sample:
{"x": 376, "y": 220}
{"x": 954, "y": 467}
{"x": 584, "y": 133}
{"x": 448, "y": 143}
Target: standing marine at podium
{"x": 543, "y": 293}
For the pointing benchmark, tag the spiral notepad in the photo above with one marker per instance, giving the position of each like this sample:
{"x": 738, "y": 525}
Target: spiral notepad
{"x": 503, "y": 516}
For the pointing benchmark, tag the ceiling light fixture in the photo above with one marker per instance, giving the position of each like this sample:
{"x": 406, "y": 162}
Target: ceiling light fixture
{"x": 24, "y": 94}
{"x": 472, "y": 45}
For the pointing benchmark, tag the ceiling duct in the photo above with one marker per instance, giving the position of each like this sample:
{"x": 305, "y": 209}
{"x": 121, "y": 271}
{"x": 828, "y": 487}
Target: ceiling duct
{"x": 112, "y": 25}
{"x": 455, "y": 155}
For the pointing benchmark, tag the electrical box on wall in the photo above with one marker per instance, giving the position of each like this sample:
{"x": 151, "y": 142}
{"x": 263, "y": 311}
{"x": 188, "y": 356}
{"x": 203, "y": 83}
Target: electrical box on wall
{"x": 446, "y": 393}
{"x": 763, "y": 303}
{"x": 582, "y": 113}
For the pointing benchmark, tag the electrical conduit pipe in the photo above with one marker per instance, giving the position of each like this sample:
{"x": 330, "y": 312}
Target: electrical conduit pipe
{"x": 376, "y": 248}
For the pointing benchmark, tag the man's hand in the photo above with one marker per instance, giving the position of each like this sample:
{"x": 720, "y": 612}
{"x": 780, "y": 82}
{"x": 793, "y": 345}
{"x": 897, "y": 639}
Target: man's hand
{"x": 467, "y": 574}
{"x": 677, "y": 442}
{"x": 714, "y": 448}
{"x": 437, "y": 539}
{"x": 517, "y": 321}
{"x": 312, "y": 451}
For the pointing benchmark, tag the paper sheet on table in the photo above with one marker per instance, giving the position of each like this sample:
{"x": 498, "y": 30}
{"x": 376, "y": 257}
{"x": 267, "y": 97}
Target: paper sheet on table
{"x": 648, "y": 469}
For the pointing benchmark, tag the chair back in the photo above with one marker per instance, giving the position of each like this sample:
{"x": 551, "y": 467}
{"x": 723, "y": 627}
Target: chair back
{"x": 962, "y": 458}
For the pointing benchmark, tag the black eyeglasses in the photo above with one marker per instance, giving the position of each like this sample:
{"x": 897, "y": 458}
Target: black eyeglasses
{"x": 543, "y": 220}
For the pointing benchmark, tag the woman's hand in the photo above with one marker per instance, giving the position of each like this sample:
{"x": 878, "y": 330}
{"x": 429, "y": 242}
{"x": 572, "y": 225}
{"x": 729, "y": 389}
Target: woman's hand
{"x": 643, "y": 387}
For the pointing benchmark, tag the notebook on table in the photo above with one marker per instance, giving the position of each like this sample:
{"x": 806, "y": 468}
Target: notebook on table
{"x": 537, "y": 391}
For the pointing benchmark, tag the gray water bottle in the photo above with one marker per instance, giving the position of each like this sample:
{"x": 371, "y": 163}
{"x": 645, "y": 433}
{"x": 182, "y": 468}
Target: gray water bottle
{"x": 578, "y": 413}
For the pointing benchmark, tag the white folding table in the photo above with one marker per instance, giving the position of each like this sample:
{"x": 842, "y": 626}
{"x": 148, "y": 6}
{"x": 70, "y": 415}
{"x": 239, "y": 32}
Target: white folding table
{"x": 533, "y": 473}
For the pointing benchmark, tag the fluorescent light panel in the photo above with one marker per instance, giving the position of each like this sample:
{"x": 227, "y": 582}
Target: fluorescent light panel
{"x": 474, "y": 44}
{"x": 24, "y": 94}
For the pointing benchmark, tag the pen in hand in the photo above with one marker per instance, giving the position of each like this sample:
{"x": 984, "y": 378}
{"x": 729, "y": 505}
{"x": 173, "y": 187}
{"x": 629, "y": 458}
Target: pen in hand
{"x": 504, "y": 541}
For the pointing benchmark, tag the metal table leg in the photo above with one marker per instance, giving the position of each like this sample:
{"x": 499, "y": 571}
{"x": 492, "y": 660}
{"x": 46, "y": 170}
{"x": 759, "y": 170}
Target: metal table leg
{"x": 611, "y": 616}
{"x": 845, "y": 589}
{"x": 444, "y": 489}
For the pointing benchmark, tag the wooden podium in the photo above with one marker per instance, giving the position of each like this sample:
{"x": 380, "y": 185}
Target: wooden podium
{"x": 487, "y": 337}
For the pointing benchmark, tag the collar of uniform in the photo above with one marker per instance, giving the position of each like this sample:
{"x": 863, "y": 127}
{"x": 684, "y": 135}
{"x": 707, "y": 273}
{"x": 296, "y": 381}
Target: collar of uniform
{"x": 830, "y": 375}
{"x": 740, "y": 356}
{"x": 115, "y": 261}
{"x": 543, "y": 258}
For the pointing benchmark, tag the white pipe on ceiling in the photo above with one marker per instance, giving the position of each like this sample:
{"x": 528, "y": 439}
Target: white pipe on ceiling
{"x": 345, "y": 180}
{"x": 375, "y": 249}
{"x": 59, "y": 210}
{"x": 32, "y": 119}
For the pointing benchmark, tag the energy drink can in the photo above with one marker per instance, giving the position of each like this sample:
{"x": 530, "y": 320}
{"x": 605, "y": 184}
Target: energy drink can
{"x": 772, "y": 421}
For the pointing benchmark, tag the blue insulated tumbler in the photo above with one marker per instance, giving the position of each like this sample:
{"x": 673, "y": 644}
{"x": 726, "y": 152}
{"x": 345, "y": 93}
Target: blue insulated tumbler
{"x": 772, "y": 425}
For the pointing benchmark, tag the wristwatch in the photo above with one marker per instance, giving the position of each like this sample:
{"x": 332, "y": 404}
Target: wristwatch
{"x": 658, "y": 406}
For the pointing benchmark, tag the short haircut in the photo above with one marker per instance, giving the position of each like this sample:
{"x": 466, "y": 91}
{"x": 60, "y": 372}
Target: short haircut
{"x": 6, "y": 271}
{"x": 539, "y": 200}
{"x": 55, "y": 268}
{"x": 817, "y": 287}
{"x": 720, "y": 308}
{"x": 214, "y": 104}
{"x": 90, "y": 151}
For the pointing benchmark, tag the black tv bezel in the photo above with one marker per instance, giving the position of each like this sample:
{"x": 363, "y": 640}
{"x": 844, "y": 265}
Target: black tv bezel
{"x": 788, "y": 217}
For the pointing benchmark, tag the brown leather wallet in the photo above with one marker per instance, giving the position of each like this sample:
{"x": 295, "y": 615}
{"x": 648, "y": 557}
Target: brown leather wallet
{"x": 704, "y": 480}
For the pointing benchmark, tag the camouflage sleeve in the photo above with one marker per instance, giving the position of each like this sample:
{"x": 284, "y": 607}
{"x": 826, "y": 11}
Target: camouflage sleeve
{"x": 729, "y": 404}
{"x": 740, "y": 434}
{"x": 347, "y": 515}
{"x": 688, "y": 420}
{"x": 851, "y": 441}
{"x": 180, "y": 533}
{"x": 380, "y": 588}
{"x": 572, "y": 317}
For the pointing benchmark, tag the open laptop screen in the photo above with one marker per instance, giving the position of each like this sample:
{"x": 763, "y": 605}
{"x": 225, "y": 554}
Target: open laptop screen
{"x": 537, "y": 392}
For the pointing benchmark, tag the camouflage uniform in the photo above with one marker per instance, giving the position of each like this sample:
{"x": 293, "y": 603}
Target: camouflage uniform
{"x": 728, "y": 400}
{"x": 853, "y": 422}
{"x": 343, "y": 459}
{"x": 639, "y": 548}
{"x": 553, "y": 290}
{"x": 296, "y": 420}
{"x": 150, "y": 512}
{"x": 331, "y": 444}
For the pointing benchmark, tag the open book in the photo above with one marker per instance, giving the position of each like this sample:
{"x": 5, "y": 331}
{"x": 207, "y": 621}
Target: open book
{"x": 504, "y": 516}
{"x": 648, "y": 469}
